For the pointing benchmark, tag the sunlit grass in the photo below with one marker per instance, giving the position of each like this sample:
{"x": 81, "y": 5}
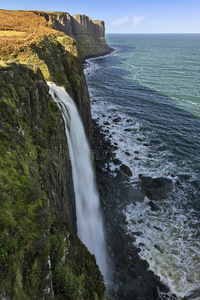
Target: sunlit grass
{"x": 6, "y": 33}
{"x": 19, "y": 29}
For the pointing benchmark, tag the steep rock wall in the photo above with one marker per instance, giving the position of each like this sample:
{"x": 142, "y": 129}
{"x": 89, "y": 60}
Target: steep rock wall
{"x": 41, "y": 257}
{"x": 89, "y": 34}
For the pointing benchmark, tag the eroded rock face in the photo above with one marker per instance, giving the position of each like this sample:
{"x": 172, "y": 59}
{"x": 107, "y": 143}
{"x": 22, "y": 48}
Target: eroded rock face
{"x": 89, "y": 34}
{"x": 37, "y": 196}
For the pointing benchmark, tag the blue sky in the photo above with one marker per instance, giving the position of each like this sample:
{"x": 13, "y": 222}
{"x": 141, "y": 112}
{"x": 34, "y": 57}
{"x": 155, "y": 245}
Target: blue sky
{"x": 126, "y": 16}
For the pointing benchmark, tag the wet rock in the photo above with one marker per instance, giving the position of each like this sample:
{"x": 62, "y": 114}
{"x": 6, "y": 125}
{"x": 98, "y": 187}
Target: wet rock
{"x": 150, "y": 155}
{"x": 193, "y": 295}
{"x": 164, "y": 183}
{"x": 117, "y": 162}
{"x": 139, "y": 139}
{"x": 127, "y": 129}
{"x": 156, "y": 193}
{"x": 157, "y": 188}
{"x": 136, "y": 158}
{"x": 127, "y": 153}
{"x": 158, "y": 248}
{"x": 116, "y": 120}
{"x": 147, "y": 182}
{"x": 158, "y": 228}
{"x": 136, "y": 152}
{"x": 146, "y": 144}
{"x": 133, "y": 221}
{"x": 128, "y": 120}
{"x": 106, "y": 123}
{"x": 154, "y": 206}
{"x": 134, "y": 195}
{"x": 178, "y": 182}
{"x": 125, "y": 169}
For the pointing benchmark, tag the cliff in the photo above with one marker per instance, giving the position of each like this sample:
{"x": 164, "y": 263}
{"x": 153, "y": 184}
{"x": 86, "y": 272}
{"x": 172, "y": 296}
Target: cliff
{"x": 89, "y": 34}
{"x": 41, "y": 256}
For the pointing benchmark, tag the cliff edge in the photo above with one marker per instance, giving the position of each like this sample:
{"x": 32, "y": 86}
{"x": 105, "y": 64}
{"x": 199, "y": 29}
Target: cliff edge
{"x": 89, "y": 34}
{"x": 41, "y": 256}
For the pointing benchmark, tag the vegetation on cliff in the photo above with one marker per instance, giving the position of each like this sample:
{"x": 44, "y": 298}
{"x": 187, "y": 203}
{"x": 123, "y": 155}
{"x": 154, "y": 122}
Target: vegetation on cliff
{"x": 40, "y": 255}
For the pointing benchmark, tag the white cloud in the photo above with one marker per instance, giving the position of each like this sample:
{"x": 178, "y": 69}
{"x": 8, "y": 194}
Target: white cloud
{"x": 120, "y": 21}
{"x": 137, "y": 19}
{"x": 157, "y": 22}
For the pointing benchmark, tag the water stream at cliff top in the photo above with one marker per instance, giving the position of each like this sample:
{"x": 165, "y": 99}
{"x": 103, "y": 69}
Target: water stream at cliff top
{"x": 89, "y": 219}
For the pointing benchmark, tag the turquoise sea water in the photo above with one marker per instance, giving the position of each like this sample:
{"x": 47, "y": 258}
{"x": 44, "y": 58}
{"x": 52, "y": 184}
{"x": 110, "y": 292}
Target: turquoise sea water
{"x": 152, "y": 83}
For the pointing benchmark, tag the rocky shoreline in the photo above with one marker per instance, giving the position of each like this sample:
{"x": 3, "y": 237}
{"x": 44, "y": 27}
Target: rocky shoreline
{"x": 130, "y": 277}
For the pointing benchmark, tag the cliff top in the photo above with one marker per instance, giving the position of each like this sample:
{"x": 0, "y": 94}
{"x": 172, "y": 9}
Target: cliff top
{"x": 19, "y": 29}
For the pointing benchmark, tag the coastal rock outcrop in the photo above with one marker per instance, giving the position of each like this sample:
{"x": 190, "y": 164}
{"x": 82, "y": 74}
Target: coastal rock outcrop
{"x": 89, "y": 34}
{"x": 157, "y": 188}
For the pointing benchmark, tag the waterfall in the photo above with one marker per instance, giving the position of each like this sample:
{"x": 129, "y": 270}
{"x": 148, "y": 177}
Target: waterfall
{"x": 89, "y": 219}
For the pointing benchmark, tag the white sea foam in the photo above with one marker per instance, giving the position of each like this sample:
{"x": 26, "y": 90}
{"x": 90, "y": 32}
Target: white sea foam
{"x": 170, "y": 238}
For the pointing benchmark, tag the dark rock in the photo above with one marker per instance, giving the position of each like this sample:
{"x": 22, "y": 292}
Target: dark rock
{"x": 134, "y": 195}
{"x": 150, "y": 155}
{"x": 136, "y": 158}
{"x": 165, "y": 183}
{"x": 154, "y": 206}
{"x": 178, "y": 182}
{"x": 155, "y": 193}
{"x": 139, "y": 139}
{"x": 117, "y": 162}
{"x": 136, "y": 152}
{"x": 156, "y": 189}
{"x": 126, "y": 170}
{"x": 127, "y": 153}
{"x": 128, "y": 120}
{"x": 116, "y": 120}
{"x": 127, "y": 129}
{"x": 158, "y": 228}
{"x": 193, "y": 295}
{"x": 106, "y": 123}
{"x": 158, "y": 248}
{"x": 147, "y": 182}
{"x": 146, "y": 144}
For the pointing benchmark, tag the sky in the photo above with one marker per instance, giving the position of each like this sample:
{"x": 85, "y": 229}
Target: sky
{"x": 125, "y": 16}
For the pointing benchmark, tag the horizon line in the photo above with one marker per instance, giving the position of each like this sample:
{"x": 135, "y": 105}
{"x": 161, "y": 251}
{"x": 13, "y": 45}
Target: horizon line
{"x": 152, "y": 33}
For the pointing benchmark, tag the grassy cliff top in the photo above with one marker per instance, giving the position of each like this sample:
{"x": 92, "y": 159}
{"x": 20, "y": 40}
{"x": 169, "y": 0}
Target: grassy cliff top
{"x": 20, "y": 29}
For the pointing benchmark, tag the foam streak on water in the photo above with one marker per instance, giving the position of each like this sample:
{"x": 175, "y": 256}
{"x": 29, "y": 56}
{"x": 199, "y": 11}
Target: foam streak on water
{"x": 89, "y": 219}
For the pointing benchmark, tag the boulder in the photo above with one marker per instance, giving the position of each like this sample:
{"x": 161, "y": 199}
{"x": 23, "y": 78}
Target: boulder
{"x": 193, "y": 295}
{"x": 157, "y": 188}
{"x": 156, "y": 193}
{"x": 147, "y": 182}
{"x": 117, "y": 162}
{"x": 116, "y": 120}
{"x": 154, "y": 206}
{"x": 164, "y": 183}
{"x": 125, "y": 169}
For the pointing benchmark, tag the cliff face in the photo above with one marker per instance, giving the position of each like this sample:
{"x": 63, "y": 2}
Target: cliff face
{"x": 41, "y": 256}
{"x": 89, "y": 34}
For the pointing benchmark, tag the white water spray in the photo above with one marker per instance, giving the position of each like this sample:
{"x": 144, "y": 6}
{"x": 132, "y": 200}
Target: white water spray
{"x": 89, "y": 220}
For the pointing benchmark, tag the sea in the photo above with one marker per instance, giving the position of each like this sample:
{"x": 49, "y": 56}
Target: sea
{"x": 151, "y": 83}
